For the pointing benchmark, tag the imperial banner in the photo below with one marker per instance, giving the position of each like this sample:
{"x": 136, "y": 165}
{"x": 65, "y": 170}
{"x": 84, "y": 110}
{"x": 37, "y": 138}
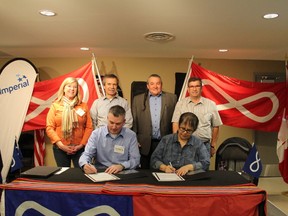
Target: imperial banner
{"x": 16, "y": 86}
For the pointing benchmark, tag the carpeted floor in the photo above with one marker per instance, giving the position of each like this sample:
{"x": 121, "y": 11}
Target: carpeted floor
{"x": 277, "y": 191}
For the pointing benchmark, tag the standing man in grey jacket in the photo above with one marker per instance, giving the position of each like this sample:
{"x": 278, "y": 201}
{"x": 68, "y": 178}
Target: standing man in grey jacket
{"x": 152, "y": 114}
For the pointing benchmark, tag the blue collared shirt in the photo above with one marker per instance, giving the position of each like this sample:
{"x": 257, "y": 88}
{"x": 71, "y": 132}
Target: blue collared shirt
{"x": 169, "y": 150}
{"x": 155, "y": 110}
{"x": 108, "y": 150}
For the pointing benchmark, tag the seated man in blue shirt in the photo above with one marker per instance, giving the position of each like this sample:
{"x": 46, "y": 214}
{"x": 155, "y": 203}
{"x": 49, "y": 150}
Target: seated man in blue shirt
{"x": 113, "y": 147}
{"x": 181, "y": 152}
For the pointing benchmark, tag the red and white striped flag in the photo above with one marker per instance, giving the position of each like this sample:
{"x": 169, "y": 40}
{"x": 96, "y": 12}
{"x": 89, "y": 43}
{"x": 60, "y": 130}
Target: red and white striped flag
{"x": 39, "y": 147}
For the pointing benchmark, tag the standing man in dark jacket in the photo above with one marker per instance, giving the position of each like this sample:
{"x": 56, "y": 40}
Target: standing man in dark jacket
{"x": 152, "y": 114}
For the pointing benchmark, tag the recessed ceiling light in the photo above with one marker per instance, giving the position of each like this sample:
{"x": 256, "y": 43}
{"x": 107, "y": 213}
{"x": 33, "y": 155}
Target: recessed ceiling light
{"x": 270, "y": 16}
{"x": 84, "y": 48}
{"x": 223, "y": 50}
{"x": 159, "y": 36}
{"x": 47, "y": 13}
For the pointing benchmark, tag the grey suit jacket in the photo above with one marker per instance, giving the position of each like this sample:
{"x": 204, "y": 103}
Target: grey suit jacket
{"x": 142, "y": 124}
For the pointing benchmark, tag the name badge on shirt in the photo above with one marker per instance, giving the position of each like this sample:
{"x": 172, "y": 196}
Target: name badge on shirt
{"x": 80, "y": 112}
{"x": 119, "y": 149}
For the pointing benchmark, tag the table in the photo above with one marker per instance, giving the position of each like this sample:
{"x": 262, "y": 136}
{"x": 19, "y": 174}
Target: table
{"x": 72, "y": 193}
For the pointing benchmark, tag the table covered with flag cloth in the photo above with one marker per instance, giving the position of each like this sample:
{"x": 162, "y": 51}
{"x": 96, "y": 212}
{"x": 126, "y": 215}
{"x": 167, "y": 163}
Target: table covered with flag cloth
{"x": 72, "y": 193}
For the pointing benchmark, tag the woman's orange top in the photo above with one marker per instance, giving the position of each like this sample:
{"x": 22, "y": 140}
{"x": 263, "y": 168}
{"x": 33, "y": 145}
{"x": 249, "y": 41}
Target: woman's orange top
{"x": 80, "y": 134}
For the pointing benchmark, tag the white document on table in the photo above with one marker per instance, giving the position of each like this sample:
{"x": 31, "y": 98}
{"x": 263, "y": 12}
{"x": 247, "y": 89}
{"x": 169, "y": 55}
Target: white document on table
{"x": 167, "y": 176}
{"x": 102, "y": 176}
{"x": 63, "y": 169}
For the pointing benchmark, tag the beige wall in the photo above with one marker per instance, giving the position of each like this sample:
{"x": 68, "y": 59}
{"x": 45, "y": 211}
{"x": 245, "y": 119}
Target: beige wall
{"x": 138, "y": 69}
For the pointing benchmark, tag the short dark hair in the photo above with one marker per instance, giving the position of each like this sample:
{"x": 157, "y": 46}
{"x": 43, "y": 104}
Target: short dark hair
{"x": 154, "y": 75}
{"x": 189, "y": 118}
{"x": 117, "y": 111}
{"x": 113, "y": 76}
{"x": 193, "y": 79}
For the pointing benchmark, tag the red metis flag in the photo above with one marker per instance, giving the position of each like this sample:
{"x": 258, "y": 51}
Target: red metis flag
{"x": 244, "y": 104}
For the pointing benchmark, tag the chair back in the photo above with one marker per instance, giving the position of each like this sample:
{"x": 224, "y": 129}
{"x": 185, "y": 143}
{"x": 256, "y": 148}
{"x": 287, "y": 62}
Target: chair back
{"x": 232, "y": 154}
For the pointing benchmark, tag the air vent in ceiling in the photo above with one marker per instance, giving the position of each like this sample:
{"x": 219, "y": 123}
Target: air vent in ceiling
{"x": 159, "y": 36}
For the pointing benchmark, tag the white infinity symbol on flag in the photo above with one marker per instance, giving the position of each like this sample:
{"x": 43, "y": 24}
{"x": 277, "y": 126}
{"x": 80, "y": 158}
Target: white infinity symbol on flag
{"x": 13, "y": 163}
{"x": 43, "y": 104}
{"x": 239, "y": 104}
{"x": 45, "y": 211}
{"x": 256, "y": 162}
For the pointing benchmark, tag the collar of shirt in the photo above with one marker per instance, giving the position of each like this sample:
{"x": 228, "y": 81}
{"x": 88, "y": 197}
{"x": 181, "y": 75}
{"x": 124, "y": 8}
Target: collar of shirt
{"x": 175, "y": 139}
{"x": 159, "y": 95}
{"x": 200, "y": 101}
{"x": 122, "y": 132}
{"x": 106, "y": 98}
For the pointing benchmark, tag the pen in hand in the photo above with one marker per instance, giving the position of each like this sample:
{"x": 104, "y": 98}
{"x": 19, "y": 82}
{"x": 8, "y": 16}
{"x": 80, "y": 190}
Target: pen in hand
{"x": 90, "y": 168}
{"x": 172, "y": 168}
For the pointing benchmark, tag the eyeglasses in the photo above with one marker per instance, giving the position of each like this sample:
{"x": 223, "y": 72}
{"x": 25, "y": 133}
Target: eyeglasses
{"x": 197, "y": 86}
{"x": 182, "y": 130}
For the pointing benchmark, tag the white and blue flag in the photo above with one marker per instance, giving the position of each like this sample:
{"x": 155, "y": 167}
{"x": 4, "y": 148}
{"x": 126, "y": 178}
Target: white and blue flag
{"x": 16, "y": 163}
{"x": 253, "y": 165}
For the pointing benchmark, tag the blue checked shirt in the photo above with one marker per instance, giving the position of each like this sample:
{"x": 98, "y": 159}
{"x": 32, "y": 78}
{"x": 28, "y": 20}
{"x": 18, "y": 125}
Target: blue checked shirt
{"x": 169, "y": 150}
{"x": 155, "y": 110}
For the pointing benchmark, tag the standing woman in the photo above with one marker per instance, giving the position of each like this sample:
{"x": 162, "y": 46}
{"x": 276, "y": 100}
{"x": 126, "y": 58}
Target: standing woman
{"x": 68, "y": 124}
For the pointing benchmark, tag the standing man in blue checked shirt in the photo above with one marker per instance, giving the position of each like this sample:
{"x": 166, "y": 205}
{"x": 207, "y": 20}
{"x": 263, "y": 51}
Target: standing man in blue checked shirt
{"x": 152, "y": 113}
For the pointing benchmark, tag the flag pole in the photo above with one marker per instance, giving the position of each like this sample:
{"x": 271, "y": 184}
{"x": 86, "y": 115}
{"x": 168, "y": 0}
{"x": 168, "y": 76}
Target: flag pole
{"x": 188, "y": 74}
{"x": 98, "y": 74}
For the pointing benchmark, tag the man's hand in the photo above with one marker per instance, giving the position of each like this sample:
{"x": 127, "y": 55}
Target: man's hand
{"x": 89, "y": 169}
{"x": 115, "y": 168}
{"x": 212, "y": 151}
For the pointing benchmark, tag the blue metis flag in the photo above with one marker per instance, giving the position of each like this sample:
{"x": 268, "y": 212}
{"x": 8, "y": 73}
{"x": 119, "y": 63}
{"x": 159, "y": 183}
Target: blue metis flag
{"x": 16, "y": 159}
{"x": 253, "y": 165}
